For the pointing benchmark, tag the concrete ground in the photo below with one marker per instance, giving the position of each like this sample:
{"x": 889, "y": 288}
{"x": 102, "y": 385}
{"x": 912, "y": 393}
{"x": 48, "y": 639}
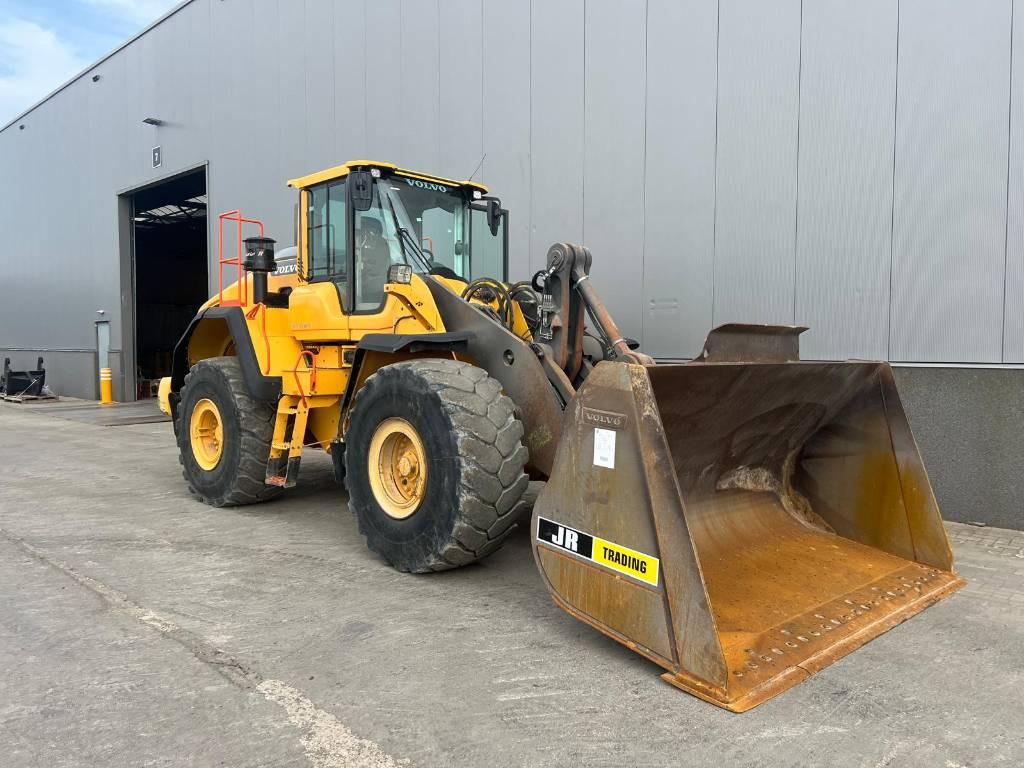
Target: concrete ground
{"x": 138, "y": 628}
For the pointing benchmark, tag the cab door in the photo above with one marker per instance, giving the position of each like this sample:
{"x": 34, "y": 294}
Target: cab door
{"x": 319, "y": 306}
{"x": 376, "y": 246}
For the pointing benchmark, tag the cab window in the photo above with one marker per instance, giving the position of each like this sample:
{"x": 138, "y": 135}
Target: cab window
{"x": 377, "y": 247}
{"x": 434, "y": 214}
{"x": 326, "y": 232}
{"x": 487, "y": 251}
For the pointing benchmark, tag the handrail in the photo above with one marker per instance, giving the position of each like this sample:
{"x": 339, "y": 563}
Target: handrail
{"x": 242, "y": 277}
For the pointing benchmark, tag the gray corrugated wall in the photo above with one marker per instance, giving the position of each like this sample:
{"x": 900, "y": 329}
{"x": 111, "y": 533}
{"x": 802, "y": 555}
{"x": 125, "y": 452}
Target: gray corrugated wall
{"x": 949, "y": 223}
{"x": 679, "y": 189}
{"x": 1013, "y": 328}
{"x": 755, "y": 191}
{"x": 849, "y": 166}
{"x": 844, "y": 215}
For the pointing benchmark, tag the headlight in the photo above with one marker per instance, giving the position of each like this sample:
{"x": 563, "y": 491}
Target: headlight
{"x": 400, "y": 273}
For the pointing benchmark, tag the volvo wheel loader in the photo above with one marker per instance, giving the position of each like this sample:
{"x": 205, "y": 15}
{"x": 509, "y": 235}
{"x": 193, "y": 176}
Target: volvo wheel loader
{"x": 742, "y": 520}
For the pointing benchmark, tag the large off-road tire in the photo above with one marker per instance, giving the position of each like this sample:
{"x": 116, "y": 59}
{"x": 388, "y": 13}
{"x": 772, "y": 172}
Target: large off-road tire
{"x": 223, "y": 435}
{"x": 463, "y": 501}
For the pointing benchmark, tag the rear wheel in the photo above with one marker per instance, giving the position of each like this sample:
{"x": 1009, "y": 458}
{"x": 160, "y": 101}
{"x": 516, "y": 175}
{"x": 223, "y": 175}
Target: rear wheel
{"x": 434, "y": 464}
{"x": 223, "y": 435}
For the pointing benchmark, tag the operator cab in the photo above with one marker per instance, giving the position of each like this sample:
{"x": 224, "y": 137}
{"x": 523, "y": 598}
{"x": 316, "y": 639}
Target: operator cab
{"x": 358, "y": 220}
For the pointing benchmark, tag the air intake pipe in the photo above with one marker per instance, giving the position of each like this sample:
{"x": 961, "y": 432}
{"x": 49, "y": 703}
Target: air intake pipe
{"x": 259, "y": 260}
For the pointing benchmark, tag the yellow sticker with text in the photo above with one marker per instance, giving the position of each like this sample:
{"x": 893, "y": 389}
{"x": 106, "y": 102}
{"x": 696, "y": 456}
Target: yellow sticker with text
{"x": 626, "y": 560}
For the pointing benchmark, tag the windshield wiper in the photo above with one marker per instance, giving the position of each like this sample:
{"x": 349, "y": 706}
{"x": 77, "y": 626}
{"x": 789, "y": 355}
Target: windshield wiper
{"x": 407, "y": 237}
{"x": 417, "y": 251}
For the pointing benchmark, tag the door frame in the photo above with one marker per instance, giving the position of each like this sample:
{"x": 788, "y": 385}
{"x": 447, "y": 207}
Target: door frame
{"x": 126, "y": 262}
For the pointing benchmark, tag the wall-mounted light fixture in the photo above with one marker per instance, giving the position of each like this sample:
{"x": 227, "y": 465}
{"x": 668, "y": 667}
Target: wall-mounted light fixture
{"x": 152, "y": 121}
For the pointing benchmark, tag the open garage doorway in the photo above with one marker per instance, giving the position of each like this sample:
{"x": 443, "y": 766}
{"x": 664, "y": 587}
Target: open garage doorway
{"x": 169, "y": 272}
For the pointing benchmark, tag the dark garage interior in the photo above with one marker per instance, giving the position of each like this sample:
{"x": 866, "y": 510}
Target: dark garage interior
{"x": 169, "y": 237}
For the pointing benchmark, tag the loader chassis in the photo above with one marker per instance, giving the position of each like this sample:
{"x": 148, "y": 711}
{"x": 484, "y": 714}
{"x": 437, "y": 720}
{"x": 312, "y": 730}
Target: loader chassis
{"x": 741, "y": 520}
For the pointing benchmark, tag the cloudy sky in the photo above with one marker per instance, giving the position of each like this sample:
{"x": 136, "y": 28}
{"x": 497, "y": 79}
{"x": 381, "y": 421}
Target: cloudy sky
{"x": 44, "y": 43}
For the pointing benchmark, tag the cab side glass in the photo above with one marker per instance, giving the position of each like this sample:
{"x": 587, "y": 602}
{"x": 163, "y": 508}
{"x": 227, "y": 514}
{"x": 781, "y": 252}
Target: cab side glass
{"x": 487, "y": 257}
{"x": 336, "y": 231}
{"x": 316, "y": 232}
{"x": 327, "y": 235}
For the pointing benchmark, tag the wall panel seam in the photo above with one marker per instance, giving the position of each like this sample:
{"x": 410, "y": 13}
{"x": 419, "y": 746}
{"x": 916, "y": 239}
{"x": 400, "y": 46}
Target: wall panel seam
{"x": 583, "y": 185}
{"x": 366, "y": 90}
{"x": 437, "y": 146}
{"x": 714, "y": 215}
{"x": 892, "y": 202}
{"x": 796, "y": 201}
{"x": 643, "y": 174}
{"x": 483, "y": 96}
{"x": 1006, "y": 217}
{"x": 529, "y": 183}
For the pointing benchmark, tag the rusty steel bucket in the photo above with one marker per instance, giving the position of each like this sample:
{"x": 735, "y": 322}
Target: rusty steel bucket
{"x": 741, "y": 524}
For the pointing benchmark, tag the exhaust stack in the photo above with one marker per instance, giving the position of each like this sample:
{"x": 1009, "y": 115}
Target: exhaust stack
{"x": 259, "y": 260}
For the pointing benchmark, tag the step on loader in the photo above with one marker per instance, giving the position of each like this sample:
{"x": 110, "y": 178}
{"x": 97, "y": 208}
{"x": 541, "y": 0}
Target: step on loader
{"x": 742, "y": 520}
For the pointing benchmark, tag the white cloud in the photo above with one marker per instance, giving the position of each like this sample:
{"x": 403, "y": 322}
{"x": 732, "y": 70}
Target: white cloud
{"x": 138, "y": 12}
{"x": 33, "y": 62}
{"x": 35, "y": 59}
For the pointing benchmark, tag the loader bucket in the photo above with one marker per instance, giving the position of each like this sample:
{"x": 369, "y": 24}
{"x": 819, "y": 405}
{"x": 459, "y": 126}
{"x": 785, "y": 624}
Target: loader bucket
{"x": 743, "y": 525}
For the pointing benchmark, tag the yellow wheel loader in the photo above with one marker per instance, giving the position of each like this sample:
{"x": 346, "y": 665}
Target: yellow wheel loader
{"x": 742, "y": 520}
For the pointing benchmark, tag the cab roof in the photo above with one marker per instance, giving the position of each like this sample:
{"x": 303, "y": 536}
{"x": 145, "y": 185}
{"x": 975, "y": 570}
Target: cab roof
{"x": 339, "y": 171}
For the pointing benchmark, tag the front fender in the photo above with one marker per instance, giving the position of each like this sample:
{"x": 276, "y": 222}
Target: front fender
{"x": 260, "y": 387}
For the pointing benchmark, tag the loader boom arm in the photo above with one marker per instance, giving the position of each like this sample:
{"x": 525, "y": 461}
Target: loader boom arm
{"x": 556, "y": 353}
{"x": 568, "y": 297}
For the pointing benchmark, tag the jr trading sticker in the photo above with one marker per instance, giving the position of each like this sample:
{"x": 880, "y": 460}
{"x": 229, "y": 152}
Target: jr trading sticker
{"x": 604, "y": 553}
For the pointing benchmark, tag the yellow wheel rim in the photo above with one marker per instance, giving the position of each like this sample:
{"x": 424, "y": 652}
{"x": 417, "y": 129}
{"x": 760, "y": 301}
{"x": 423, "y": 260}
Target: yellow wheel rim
{"x": 207, "y": 433}
{"x": 397, "y": 465}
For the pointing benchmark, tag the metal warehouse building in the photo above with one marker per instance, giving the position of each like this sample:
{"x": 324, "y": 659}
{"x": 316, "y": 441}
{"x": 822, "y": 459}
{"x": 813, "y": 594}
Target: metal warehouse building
{"x": 855, "y": 167}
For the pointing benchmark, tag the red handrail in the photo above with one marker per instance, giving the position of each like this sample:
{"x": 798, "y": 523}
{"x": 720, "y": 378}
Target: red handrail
{"x": 242, "y": 277}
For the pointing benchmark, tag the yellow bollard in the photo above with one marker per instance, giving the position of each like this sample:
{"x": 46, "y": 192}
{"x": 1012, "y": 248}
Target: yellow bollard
{"x": 106, "y": 391}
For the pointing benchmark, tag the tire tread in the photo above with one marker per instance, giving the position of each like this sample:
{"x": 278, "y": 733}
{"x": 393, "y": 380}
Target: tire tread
{"x": 256, "y": 422}
{"x": 486, "y": 429}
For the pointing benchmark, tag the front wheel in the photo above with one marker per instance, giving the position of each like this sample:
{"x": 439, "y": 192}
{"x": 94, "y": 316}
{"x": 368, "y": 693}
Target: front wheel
{"x": 434, "y": 464}
{"x": 224, "y": 435}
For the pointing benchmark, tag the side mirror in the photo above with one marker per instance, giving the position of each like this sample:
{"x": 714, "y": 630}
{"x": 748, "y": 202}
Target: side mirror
{"x": 361, "y": 186}
{"x": 493, "y": 215}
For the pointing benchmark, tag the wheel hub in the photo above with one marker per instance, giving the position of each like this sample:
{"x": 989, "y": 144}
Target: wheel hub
{"x": 206, "y": 432}
{"x": 397, "y": 467}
